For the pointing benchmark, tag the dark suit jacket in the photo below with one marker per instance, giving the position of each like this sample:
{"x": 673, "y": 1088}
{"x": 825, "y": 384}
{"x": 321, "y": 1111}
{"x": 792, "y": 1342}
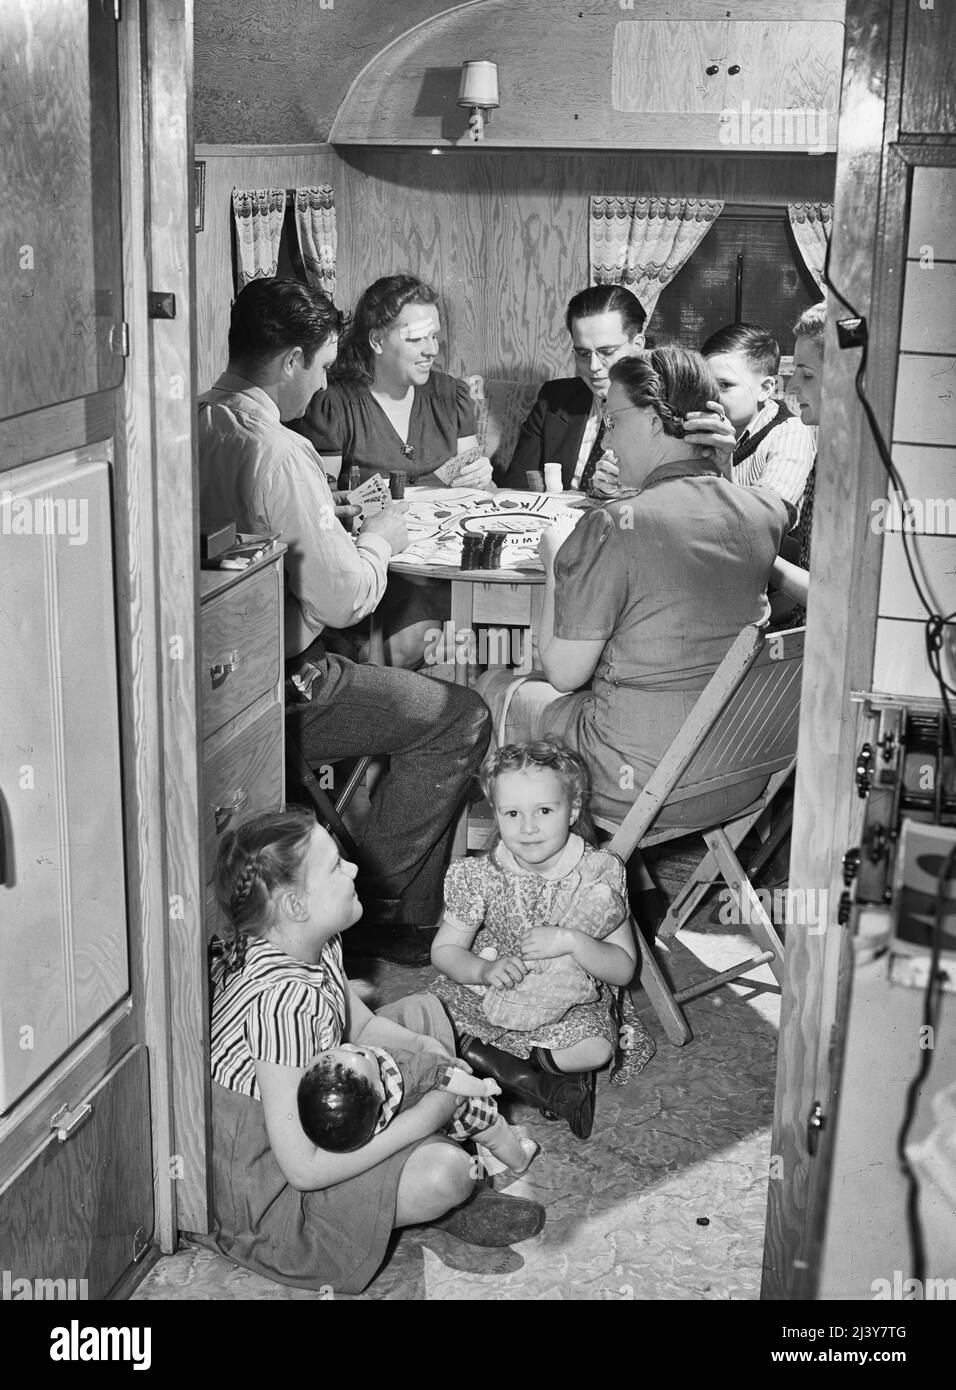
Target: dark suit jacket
{"x": 552, "y": 432}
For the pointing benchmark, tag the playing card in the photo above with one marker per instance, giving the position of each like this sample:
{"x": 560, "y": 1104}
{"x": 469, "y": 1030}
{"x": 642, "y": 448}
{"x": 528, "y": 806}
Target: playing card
{"x": 371, "y": 496}
{"x": 450, "y": 469}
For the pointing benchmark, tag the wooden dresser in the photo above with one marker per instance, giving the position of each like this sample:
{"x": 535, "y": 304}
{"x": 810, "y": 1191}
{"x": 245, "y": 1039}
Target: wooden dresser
{"x": 241, "y": 689}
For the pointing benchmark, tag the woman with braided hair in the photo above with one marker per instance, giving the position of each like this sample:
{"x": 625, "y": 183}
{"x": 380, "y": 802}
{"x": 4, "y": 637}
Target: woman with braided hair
{"x": 647, "y": 594}
{"x": 282, "y": 1206}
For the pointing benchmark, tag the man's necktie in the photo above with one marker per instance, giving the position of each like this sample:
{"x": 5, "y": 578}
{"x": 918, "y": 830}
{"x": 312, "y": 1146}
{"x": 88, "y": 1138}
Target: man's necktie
{"x": 596, "y": 453}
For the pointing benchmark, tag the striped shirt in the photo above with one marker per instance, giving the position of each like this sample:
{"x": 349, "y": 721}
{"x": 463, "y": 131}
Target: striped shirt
{"x": 275, "y": 1009}
{"x": 782, "y": 461}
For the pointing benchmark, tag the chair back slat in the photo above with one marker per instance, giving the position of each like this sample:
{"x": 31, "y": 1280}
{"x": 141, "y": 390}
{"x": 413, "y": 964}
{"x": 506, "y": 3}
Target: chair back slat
{"x": 758, "y": 725}
{"x": 743, "y": 726}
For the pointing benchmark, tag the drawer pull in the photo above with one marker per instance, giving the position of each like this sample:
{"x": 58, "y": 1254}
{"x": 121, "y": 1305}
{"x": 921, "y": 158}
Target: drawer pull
{"x": 66, "y": 1121}
{"x": 224, "y": 814}
{"x": 222, "y": 669}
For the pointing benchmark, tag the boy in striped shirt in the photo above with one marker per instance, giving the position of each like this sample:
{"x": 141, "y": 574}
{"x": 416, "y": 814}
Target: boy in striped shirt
{"x": 774, "y": 449}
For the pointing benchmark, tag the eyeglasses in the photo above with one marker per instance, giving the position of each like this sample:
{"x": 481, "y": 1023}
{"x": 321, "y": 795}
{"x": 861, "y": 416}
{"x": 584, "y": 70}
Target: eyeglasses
{"x": 607, "y": 419}
{"x": 606, "y": 354}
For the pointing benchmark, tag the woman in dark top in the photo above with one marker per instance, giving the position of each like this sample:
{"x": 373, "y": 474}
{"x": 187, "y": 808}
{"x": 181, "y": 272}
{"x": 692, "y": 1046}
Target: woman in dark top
{"x": 387, "y": 407}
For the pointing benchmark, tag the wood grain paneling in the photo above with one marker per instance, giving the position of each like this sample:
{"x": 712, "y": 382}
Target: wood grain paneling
{"x": 76, "y": 1212}
{"x": 59, "y": 236}
{"x": 215, "y": 283}
{"x": 503, "y": 236}
{"x": 240, "y": 649}
{"x": 662, "y": 65}
{"x": 560, "y": 65}
{"x": 929, "y": 95}
{"x": 42, "y": 433}
{"x": 138, "y": 539}
{"x": 168, "y": 78}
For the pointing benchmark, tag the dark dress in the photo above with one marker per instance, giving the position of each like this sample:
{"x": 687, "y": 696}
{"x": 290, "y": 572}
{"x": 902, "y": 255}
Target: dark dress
{"x": 346, "y": 419}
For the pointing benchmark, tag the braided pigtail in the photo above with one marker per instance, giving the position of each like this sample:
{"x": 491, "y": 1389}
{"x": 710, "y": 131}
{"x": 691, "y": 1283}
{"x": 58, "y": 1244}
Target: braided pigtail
{"x": 671, "y": 380}
{"x": 259, "y": 859}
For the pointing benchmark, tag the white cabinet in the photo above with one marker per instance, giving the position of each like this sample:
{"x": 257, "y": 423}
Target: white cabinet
{"x": 63, "y": 944}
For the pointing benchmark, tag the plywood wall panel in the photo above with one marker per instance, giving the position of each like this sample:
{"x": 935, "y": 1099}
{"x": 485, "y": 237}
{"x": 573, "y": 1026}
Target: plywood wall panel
{"x": 503, "y": 235}
{"x": 214, "y": 273}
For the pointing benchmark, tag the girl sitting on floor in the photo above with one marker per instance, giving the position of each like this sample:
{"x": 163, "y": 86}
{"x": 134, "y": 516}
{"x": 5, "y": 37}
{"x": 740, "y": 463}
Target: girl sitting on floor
{"x": 281, "y": 1206}
{"x": 535, "y": 938}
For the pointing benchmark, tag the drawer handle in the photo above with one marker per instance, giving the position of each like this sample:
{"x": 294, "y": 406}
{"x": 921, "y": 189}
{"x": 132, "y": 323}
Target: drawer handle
{"x": 66, "y": 1121}
{"x": 222, "y": 669}
{"x": 224, "y": 814}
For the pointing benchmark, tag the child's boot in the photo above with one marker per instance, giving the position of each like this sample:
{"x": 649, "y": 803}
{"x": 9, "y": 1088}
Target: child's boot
{"x": 564, "y": 1095}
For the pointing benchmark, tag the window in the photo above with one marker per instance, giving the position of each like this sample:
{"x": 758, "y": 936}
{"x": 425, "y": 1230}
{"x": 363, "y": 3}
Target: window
{"x": 775, "y": 286}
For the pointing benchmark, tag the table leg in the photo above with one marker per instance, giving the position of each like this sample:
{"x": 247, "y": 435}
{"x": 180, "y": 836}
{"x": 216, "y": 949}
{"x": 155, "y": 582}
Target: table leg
{"x": 376, "y": 639}
{"x": 462, "y": 612}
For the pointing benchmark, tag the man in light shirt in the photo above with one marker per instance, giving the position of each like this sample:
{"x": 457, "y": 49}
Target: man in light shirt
{"x": 282, "y": 337}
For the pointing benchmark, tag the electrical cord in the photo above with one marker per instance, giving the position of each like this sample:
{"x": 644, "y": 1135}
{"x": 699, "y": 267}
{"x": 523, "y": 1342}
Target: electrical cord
{"x": 934, "y": 637}
{"x": 931, "y": 1006}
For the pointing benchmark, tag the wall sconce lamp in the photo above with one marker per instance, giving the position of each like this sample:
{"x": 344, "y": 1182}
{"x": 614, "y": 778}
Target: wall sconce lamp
{"x": 479, "y": 92}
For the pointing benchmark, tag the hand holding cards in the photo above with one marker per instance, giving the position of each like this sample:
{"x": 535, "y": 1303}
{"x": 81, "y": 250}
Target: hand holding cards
{"x": 468, "y": 469}
{"x": 371, "y": 496}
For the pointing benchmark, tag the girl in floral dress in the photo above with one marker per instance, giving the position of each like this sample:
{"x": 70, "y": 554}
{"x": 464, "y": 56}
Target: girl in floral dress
{"x": 535, "y": 943}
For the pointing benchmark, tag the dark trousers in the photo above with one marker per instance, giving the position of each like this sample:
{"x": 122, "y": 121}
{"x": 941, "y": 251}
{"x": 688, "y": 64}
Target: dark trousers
{"x": 435, "y": 735}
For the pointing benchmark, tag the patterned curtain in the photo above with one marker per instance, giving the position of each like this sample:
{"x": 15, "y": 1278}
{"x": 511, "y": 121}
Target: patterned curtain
{"x": 258, "y": 214}
{"x": 642, "y": 243}
{"x": 811, "y": 224}
{"x": 315, "y": 225}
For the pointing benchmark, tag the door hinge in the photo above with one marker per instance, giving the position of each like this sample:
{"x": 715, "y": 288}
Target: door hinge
{"x": 119, "y": 339}
{"x": 117, "y": 10}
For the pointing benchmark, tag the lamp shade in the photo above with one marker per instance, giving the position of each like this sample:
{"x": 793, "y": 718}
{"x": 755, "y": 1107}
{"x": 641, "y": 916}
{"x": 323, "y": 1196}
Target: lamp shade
{"x": 479, "y": 85}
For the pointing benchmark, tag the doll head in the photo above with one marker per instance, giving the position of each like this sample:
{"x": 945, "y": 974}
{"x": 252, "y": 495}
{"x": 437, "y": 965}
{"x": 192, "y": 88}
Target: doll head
{"x": 340, "y": 1098}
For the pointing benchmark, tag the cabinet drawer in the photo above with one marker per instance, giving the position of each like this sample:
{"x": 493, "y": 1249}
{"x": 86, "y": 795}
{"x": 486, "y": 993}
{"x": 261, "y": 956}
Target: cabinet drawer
{"x": 83, "y": 1209}
{"x": 240, "y": 647}
{"x": 244, "y": 776}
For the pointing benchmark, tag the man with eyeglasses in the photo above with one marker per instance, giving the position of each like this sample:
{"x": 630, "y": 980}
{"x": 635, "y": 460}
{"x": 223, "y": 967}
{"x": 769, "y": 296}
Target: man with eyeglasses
{"x": 606, "y": 323}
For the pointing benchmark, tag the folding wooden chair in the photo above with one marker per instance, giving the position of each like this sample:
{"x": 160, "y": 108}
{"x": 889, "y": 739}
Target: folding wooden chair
{"x": 743, "y": 727}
